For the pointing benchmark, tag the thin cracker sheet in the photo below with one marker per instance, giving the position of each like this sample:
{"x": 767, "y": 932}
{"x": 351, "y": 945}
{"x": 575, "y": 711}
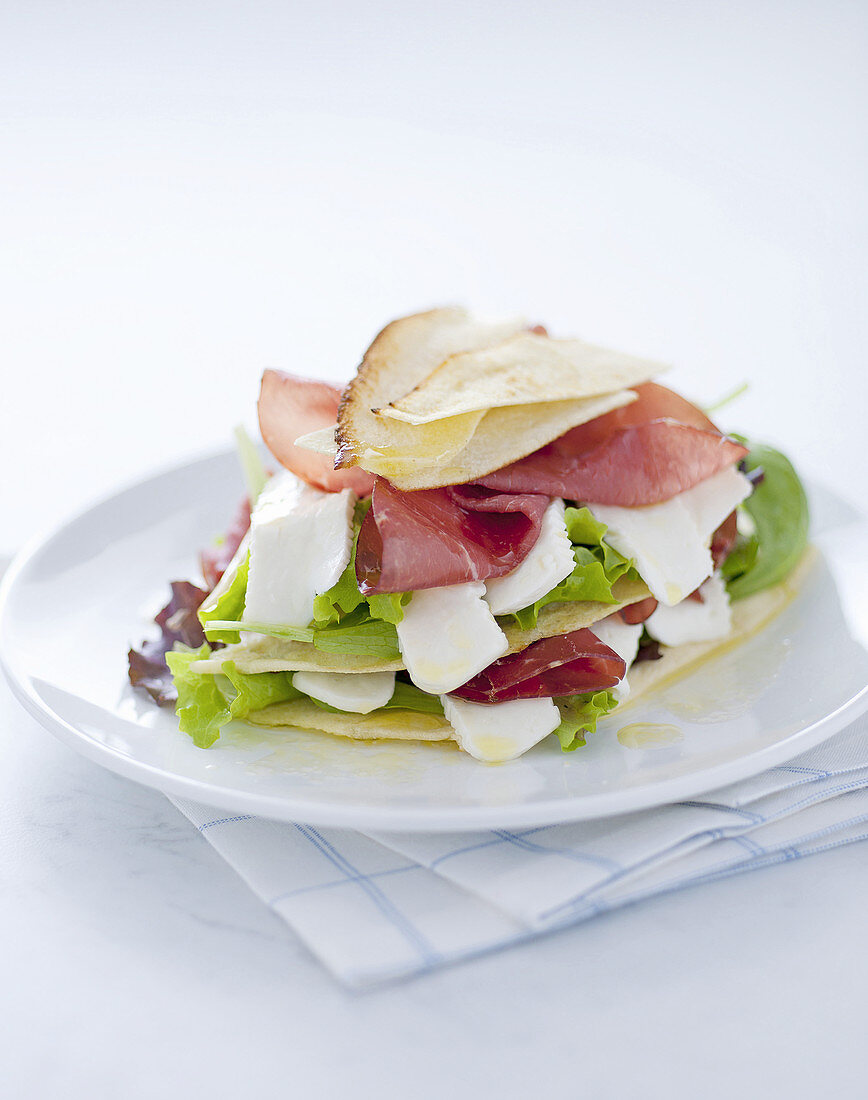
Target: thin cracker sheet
{"x": 502, "y": 436}
{"x": 456, "y": 448}
{"x": 388, "y": 724}
{"x": 402, "y": 356}
{"x": 524, "y": 369}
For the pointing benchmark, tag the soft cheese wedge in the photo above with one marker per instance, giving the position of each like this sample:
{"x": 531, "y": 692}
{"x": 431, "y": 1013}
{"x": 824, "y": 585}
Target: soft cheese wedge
{"x": 359, "y": 693}
{"x": 669, "y": 542}
{"x": 549, "y": 561}
{"x": 692, "y": 621}
{"x": 300, "y": 543}
{"x": 447, "y": 635}
{"x": 503, "y": 731}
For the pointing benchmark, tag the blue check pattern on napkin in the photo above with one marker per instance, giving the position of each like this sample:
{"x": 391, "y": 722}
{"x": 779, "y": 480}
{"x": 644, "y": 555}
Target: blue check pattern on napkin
{"x": 379, "y": 906}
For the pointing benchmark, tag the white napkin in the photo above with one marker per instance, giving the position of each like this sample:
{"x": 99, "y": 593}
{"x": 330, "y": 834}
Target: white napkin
{"x": 375, "y": 907}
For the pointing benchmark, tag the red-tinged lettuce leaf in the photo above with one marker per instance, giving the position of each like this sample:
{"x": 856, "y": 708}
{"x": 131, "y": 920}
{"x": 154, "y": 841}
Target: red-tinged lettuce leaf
{"x": 148, "y": 670}
{"x": 649, "y": 649}
{"x": 216, "y": 558}
{"x": 178, "y": 622}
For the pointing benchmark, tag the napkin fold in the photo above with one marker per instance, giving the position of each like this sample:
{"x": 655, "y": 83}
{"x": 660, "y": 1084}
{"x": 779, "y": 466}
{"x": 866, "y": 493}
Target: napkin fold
{"x": 374, "y": 907}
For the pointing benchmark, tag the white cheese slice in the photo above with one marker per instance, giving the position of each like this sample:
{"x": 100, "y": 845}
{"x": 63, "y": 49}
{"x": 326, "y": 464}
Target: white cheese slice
{"x": 447, "y": 635}
{"x": 502, "y": 731}
{"x": 692, "y": 621}
{"x": 669, "y": 542}
{"x": 549, "y": 561}
{"x": 665, "y": 544}
{"x": 359, "y": 692}
{"x": 624, "y": 639}
{"x": 711, "y": 501}
{"x": 300, "y": 543}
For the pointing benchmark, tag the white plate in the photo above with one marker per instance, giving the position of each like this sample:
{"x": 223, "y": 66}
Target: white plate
{"x": 75, "y": 601}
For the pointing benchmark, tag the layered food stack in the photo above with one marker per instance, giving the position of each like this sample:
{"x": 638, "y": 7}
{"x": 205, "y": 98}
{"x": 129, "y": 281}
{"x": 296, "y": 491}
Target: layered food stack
{"x": 474, "y": 541}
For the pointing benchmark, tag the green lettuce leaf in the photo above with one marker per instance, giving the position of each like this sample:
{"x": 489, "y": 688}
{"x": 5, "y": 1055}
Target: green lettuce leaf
{"x": 779, "y": 510}
{"x": 206, "y": 702}
{"x": 579, "y": 714}
{"x": 597, "y": 567}
{"x": 291, "y": 633}
{"x": 409, "y": 697}
{"x": 228, "y": 608}
{"x": 255, "y": 690}
{"x": 389, "y": 606}
{"x": 360, "y": 635}
{"x": 202, "y": 708}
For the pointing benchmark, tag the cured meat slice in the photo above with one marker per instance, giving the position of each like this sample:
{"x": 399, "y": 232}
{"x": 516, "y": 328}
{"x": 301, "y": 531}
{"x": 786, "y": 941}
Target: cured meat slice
{"x": 723, "y": 539}
{"x": 290, "y": 407}
{"x": 636, "y": 613}
{"x": 437, "y": 537}
{"x": 567, "y": 664}
{"x": 643, "y": 453}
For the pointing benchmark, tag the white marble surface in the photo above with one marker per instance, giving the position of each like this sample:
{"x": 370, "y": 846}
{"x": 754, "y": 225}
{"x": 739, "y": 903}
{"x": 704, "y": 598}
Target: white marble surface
{"x": 137, "y": 965}
{"x": 192, "y": 193}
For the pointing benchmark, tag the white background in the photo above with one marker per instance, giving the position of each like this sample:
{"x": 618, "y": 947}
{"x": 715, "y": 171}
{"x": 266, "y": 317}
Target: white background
{"x": 192, "y": 192}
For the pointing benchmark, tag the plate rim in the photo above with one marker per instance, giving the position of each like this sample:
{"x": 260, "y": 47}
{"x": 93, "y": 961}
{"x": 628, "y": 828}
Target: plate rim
{"x": 384, "y": 819}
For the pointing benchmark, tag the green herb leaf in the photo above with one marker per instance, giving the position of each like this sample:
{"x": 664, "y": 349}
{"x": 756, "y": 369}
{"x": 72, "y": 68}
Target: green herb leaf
{"x": 779, "y": 510}
{"x": 389, "y": 606}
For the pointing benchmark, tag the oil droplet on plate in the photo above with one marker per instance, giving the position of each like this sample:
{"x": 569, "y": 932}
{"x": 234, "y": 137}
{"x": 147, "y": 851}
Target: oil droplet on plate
{"x": 649, "y": 735}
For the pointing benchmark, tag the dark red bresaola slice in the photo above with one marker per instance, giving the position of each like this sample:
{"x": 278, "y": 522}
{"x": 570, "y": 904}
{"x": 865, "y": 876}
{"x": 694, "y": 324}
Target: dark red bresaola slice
{"x": 436, "y": 537}
{"x": 644, "y": 453}
{"x": 723, "y": 539}
{"x": 290, "y": 407}
{"x": 638, "y": 612}
{"x": 567, "y": 664}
